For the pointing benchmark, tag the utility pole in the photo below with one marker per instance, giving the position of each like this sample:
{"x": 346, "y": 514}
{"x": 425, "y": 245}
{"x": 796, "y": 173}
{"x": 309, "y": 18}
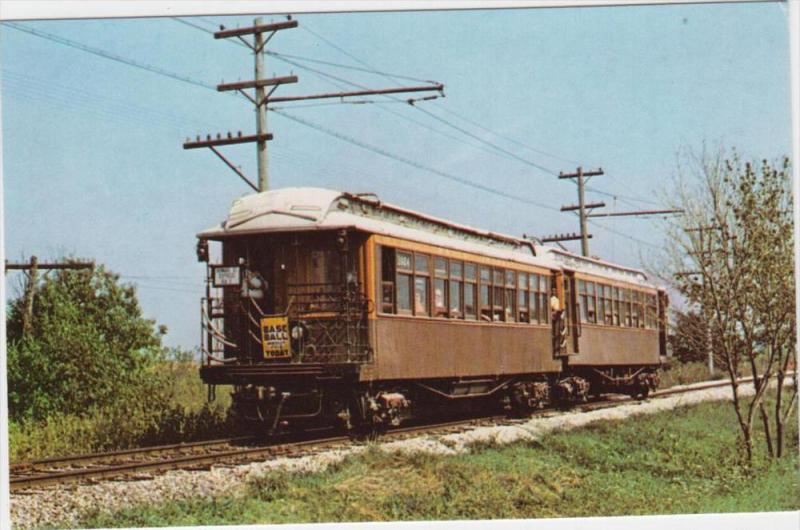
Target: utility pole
{"x": 581, "y": 177}
{"x": 584, "y": 209}
{"x": 30, "y": 287}
{"x": 701, "y": 230}
{"x": 261, "y": 98}
{"x": 261, "y": 110}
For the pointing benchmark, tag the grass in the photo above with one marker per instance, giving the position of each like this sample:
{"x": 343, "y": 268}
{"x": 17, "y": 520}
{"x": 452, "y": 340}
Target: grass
{"x": 187, "y": 417}
{"x": 679, "y": 373}
{"x": 683, "y": 461}
{"x": 183, "y": 415}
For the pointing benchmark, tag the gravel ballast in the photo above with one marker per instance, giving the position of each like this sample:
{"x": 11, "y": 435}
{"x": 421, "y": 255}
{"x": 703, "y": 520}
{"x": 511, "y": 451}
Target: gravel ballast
{"x": 64, "y": 505}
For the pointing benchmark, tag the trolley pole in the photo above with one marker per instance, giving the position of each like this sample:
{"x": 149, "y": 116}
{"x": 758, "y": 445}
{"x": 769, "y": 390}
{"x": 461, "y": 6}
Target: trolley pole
{"x": 261, "y": 109}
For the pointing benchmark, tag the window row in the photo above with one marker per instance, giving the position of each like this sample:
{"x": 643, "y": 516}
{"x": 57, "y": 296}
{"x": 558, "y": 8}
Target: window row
{"x": 616, "y": 306}
{"x": 424, "y": 285}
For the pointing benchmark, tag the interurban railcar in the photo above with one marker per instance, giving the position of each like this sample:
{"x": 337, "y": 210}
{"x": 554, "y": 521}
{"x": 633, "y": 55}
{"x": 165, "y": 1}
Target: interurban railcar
{"x": 325, "y": 307}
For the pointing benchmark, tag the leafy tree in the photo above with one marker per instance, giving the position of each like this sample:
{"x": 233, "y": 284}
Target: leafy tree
{"x": 89, "y": 345}
{"x": 732, "y": 259}
{"x": 690, "y": 341}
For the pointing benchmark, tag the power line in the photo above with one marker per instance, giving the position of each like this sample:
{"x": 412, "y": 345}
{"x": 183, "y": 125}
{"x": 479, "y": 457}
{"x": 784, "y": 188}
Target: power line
{"x": 473, "y": 122}
{"x": 417, "y": 165}
{"x": 288, "y": 59}
{"x": 106, "y": 55}
{"x": 390, "y": 99}
{"x": 186, "y": 79}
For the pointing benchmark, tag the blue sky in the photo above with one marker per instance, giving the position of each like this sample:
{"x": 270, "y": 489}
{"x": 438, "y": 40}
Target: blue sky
{"x": 93, "y": 164}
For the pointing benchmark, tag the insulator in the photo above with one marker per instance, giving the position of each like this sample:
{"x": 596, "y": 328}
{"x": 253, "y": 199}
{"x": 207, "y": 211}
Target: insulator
{"x": 218, "y": 136}
{"x": 229, "y": 134}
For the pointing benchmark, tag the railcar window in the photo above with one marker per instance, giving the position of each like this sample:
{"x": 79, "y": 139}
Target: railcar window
{"x": 642, "y": 303}
{"x": 498, "y": 306}
{"x": 522, "y": 297}
{"x": 421, "y": 284}
{"x": 422, "y": 263}
{"x": 421, "y": 296}
{"x": 544, "y": 297}
{"x": 654, "y": 306}
{"x": 404, "y": 293}
{"x": 533, "y": 299}
{"x": 486, "y": 293}
{"x": 440, "y": 288}
{"x": 635, "y": 309}
{"x": 387, "y": 279}
{"x": 470, "y": 291}
{"x": 470, "y": 272}
{"x": 608, "y": 306}
{"x": 404, "y": 261}
{"x": 584, "y": 301}
{"x": 626, "y": 308}
{"x": 456, "y": 275}
{"x": 405, "y": 282}
{"x": 591, "y": 305}
{"x": 600, "y": 303}
{"x": 615, "y": 301}
{"x": 511, "y": 297}
{"x": 441, "y": 266}
{"x": 651, "y": 311}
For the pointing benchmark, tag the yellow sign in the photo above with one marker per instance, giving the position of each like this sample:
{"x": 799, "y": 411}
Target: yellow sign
{"x": 275, "y": 336}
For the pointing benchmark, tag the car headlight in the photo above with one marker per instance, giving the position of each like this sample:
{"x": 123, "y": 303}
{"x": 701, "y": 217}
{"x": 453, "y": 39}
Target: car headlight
{"x": 297, "y": 332}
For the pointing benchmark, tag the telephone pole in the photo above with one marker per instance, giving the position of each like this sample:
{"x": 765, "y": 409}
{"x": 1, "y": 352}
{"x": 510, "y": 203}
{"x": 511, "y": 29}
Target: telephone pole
{"x": 261, "y": 110}
{"x": 581, "y": 177}
{"x": 584, "y": 209}
{"x": 701, "y": 230}
{"x": 33, "y": 268}
{"x": 261, "y": 98}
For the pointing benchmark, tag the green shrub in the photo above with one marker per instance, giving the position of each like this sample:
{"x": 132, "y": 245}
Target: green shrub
{"x": 177, "y": 411}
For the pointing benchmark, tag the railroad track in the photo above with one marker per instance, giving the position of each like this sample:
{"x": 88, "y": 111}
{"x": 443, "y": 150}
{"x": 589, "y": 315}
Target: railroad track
{"x": 231, "y": 451}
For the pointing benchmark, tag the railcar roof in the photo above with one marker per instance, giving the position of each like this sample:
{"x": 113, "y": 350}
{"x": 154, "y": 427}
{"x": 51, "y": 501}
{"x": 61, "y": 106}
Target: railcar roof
{"x": 308, "y": 209}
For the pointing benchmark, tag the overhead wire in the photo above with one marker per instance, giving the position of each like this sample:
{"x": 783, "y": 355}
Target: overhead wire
{"x": 363, "y": 145}
{"x": 417, "y": 165}
{"x": 371, "y": 69}
{"x": 106, "y": 54}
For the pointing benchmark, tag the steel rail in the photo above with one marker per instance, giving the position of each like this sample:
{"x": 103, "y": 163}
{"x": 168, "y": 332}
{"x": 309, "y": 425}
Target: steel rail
{"x": 112, "y": 455}
{"x": 278, "y": 449}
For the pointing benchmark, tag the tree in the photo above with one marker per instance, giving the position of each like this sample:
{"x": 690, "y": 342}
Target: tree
{"x": 690, "y": 343}
{"x": 88, "y": 345}
{"x": 732, "y": 260}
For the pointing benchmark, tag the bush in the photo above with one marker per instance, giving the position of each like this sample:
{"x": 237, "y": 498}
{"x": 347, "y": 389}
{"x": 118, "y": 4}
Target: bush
{"x": 89, "y": 345}
{"x": 177, "y": 412}
{"x": 92, "y": 374}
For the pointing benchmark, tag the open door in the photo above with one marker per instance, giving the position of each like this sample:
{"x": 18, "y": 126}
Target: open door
{"x": 663, "y": 305}
{"x": 565, "y": 322}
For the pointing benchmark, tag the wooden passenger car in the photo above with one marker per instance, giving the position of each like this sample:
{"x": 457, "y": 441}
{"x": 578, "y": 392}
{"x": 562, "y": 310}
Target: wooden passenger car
{"x": 338, "y": 305}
